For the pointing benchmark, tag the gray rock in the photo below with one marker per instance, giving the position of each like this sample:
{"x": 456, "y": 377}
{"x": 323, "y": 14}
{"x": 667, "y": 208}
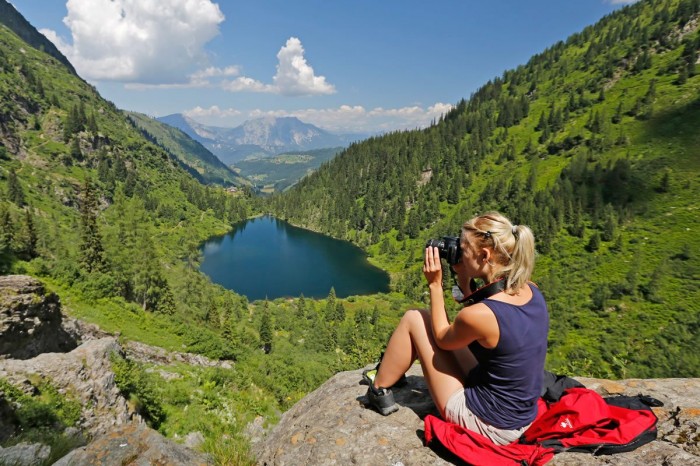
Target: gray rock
{"x": 30, "y": 319}
{"x": 194, "y": 440}
{"x": 134, "y": 444}
{"x": 331, "y": 426}
{"x": 86, "y": 373}
{"x": 25, "y": 454}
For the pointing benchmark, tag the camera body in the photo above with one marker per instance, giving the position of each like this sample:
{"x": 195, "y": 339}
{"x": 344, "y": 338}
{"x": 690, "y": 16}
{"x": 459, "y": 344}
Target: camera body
{"x": 449, "y": 248}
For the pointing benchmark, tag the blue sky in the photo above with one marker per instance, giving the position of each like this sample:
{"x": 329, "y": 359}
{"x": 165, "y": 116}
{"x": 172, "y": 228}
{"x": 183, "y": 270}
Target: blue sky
{"x": 345, "y": 66}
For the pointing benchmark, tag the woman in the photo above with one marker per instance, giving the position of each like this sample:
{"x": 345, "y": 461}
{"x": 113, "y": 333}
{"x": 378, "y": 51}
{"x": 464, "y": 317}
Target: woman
{"x": 485, "y": 369}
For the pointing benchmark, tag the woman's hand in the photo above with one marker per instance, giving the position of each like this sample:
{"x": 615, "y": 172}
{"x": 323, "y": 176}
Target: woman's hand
{"x": 432, "y": 267}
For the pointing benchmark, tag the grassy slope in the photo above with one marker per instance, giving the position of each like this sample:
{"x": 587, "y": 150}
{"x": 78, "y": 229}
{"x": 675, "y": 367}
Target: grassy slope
{"x": 278, "y": 173}
{"x": 191, "y": 153}
{"x": 649, "y": 330}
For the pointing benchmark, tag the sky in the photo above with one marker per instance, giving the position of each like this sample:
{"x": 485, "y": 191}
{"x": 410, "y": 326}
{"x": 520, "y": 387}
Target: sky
{"x": 356, "y": 66}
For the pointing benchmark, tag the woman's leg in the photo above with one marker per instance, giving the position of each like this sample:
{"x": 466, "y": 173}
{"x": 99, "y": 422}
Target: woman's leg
{"x": 413, "y": 338}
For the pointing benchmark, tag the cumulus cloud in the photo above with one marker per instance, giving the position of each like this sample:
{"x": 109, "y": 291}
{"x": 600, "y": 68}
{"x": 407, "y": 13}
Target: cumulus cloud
{"x": 345, "y": 118}
{"x": 138, "y": 40}
{"x": 246, "y": 84}
{"x": 213, "y": 111}
{"x": 294, "y": 75}
{"x": 622, "y": 2}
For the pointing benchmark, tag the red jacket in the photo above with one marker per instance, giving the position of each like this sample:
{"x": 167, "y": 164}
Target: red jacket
{"x": 581, "y": 420}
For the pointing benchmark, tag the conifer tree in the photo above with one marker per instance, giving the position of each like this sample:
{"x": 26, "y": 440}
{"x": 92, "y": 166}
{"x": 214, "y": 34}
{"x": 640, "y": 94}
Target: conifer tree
{"x": 266, "y": 328}
{"x": 6, "y": 233}
{"x": 301, "y": 308}
{"x": 75, "y": 151}
{"x": 330, "y": 310}
{"x": 594, "y": 242}
{"x": 14, "y": 190}
{"x": 27, "y": 247}
{"x": 339, "y": 312}
{"x": 92, "y": 257}
{"x": 151, "y": 288}
{"x": 610, "y": 224}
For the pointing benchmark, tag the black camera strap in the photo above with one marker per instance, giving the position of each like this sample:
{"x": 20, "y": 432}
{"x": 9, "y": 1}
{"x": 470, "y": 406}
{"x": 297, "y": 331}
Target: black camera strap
{"x": 484, "y": 292}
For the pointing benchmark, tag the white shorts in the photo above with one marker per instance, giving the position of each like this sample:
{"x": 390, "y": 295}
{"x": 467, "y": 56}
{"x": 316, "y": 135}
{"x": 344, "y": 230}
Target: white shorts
{"x": 457, "y": 412}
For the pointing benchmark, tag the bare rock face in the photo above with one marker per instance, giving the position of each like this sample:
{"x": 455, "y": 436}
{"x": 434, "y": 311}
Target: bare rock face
{"x": 36, "y": 342}
{"x": 85, "y": 372}
{"x": 331, "y": 426}
{"x": 30, "y": 319}
{"x": 133, "y": 444}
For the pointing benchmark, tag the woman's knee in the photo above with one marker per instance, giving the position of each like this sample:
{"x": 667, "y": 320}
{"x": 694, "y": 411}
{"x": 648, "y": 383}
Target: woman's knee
{"x": 416, "y": 318}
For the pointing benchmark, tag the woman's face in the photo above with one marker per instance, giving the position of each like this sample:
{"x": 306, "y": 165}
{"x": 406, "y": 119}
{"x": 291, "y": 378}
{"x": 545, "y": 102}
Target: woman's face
{"x": 472, "y": 262}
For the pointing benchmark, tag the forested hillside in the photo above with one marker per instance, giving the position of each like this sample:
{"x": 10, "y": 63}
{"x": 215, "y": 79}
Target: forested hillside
{"x": 193, "y": 156}
{"x": 111, "y": 222}
{"x": 594, "y": 143}
{"x": 277, "y": 173}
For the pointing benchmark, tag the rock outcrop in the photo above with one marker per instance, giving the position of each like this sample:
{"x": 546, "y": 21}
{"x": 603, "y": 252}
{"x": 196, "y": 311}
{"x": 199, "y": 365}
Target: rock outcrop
{"x": 30, "y": 319}
{"x": 133, "y": 444}
{"x": 85, "y": 373}
{"x": 331, "y": 426}
{"x": 37, "y": 343}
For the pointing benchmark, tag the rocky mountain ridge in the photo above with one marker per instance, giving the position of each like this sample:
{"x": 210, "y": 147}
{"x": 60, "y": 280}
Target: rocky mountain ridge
{"x": 262, "y": 136}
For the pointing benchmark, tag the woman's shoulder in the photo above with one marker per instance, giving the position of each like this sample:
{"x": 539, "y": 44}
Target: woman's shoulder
{"x": 523, "y": 296}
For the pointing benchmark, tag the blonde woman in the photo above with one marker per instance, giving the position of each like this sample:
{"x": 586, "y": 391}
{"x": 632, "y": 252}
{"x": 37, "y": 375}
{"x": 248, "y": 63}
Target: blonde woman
{"x": 485, "y": 369}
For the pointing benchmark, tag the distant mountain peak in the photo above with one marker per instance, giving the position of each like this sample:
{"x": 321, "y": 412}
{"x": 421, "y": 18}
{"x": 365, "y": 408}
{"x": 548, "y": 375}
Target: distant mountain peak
{"x": 267, "y": 135}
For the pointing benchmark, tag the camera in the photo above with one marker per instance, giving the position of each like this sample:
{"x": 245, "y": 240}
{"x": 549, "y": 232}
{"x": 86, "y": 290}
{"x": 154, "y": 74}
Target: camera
{"x": 449, "y": 248}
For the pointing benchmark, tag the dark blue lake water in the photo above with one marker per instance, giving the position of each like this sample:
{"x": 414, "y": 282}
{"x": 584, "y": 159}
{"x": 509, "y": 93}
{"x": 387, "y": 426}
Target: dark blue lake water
{"x": 268, "y": 257}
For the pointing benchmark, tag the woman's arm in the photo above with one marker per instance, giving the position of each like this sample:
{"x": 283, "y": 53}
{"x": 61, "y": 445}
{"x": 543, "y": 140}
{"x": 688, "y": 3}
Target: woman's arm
{"x": 475, "y": 322}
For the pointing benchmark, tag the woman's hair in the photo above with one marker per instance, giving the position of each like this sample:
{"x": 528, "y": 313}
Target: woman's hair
{"x": 513, "y": 246}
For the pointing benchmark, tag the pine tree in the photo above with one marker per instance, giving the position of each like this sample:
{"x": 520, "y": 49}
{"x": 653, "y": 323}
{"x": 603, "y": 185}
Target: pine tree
{"x": 330, "y": 310}
{"x": 610, "y": 224}
{"x": 339, "y": 312}
{"x": 14, "y": 189}
{"x": 75, "y": 151}
{"x": 6, "y": 233}
{"x": 301, "y": 308}
{"x": 266, "y": 328}
{"x": 92, "y": 257}
{"x": 27, "y": 237}
{"x": 150, "y": 287}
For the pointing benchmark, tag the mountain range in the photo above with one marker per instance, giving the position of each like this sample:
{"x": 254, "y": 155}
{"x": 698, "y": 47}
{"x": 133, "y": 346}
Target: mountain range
{"x": 593, "y": 143}
{"x": 259, "y": 137}
{"x": 192, "y": 155}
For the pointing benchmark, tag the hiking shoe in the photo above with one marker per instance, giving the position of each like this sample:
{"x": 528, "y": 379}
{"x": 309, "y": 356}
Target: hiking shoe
{"x": 368, "y": 376}
{"x": 382, "y": 400}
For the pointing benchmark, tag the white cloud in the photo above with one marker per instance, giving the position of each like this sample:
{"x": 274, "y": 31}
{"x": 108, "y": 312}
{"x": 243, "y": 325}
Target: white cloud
{"x": 138, "y": 40}
{"x": 345, "y": 119}
{"x": 246, "y": 84}
{"x": 213, "y": 111}
{"x": 213, "y": 72}
{"x": 622, "y": 2}
{"x": 295, "y": 76}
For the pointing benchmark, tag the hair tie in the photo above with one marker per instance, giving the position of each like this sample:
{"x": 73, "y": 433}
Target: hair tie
{"x": 514, "y": 230}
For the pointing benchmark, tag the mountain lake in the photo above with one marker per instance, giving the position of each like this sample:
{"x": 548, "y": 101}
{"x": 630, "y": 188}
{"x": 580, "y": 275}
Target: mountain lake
{"x": 266, "y": 257}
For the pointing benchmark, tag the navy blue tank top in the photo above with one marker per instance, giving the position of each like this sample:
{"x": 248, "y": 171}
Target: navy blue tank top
{"x": 504, "y": 387}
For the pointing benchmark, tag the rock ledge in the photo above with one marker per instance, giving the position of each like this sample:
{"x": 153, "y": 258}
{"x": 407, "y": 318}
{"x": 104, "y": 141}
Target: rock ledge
{"x": 331, "y": 426}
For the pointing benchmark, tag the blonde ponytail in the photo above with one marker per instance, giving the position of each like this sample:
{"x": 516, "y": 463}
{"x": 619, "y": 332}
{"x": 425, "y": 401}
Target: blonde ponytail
{"x": 513, "y": 247}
